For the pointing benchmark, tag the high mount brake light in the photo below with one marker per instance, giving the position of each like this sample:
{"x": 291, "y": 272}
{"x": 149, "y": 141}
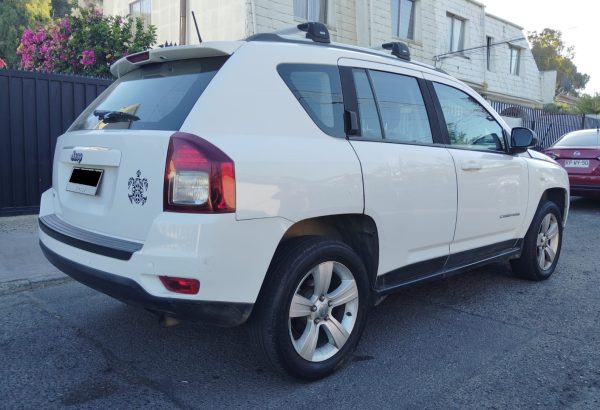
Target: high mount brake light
{"x": 138, "y": 57}
{"x": 199, "y": 177}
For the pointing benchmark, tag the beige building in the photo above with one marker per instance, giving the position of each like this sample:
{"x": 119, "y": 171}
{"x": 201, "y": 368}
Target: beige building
{"x": 485, "y": 51}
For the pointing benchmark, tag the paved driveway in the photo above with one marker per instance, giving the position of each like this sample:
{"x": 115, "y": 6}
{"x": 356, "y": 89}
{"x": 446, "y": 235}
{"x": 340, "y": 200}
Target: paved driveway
{"x": 481, "y": 340}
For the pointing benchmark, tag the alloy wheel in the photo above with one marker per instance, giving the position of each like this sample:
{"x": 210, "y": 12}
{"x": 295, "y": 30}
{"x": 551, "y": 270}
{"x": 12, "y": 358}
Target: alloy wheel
{"x": 323, "y": 311}
{"x": 547, "y": 241}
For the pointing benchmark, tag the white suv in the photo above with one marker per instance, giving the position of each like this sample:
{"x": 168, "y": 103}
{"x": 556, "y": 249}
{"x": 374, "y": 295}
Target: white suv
{"x": 292, "y": 183}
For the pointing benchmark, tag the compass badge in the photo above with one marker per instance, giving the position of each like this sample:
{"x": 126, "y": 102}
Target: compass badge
{"x": 138, "y": 187}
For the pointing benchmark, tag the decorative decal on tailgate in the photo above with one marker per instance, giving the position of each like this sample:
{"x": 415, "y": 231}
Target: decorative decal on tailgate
{"x": 137, "y": 189}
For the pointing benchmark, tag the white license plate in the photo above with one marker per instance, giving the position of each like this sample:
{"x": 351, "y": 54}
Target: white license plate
{"x": 577, "y": 163}
{"x": 85, "y": 181}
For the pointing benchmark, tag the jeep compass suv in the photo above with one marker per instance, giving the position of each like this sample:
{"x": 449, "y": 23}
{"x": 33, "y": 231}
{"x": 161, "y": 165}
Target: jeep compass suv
{"x": 291, "y": 183}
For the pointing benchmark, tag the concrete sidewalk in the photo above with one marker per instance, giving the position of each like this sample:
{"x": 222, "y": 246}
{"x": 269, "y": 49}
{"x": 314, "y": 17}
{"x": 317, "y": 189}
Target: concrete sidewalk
{"x": 22, "y": 263}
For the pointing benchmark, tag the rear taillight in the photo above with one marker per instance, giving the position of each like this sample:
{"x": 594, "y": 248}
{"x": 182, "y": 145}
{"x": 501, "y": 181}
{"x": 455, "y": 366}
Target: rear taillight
{"x": 199, "y": 177}
{"x": 552, "y": 155}
{"x": 181, "y": 285}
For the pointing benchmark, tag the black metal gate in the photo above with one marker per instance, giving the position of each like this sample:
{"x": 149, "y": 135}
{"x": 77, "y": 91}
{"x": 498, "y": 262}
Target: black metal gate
{"x": 548, "y": 126}
{"x": 35, "y": 108}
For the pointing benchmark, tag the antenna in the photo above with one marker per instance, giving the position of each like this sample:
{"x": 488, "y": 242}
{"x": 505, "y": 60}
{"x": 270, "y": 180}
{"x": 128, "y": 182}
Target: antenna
{"x": 196, "y": 24}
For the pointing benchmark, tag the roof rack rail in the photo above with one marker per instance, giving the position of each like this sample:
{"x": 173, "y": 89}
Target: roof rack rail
{"x": 315, "y": 31}
{"x": 399, "y": 49}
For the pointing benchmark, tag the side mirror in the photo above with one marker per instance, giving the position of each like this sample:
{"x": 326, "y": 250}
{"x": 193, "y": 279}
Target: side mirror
{"x": 521, "y": 139}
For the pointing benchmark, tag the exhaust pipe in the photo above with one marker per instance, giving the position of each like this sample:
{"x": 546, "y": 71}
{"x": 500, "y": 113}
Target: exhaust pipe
{"x": 168, "y": 321}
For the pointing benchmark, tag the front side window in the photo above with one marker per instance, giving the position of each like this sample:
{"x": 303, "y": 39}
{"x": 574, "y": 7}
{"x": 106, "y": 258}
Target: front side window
{"x": 403, "y": 18}
{"x": 141, "y": 9}
{"x": 311, "y": 10}
{"x": 456, "y": 33}
{"x": 318, "y": 89}
{"x": 469, "y": 124}
{"x": 515, "y": 60}
{"x": 403, "y": 113}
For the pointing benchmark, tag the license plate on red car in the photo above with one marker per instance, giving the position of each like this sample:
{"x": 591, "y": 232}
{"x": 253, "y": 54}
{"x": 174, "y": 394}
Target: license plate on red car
{"x": 577, "y": 163}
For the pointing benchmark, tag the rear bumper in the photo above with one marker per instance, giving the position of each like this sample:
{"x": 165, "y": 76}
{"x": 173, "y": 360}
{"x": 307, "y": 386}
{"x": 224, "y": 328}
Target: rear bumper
{"x": 130, "y": 292}
{"x": 229, "y": 257}
{"x": 585, "y": 190}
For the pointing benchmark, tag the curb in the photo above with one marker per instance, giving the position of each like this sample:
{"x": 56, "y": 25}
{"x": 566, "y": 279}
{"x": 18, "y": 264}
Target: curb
{"x": 20, "y": 285}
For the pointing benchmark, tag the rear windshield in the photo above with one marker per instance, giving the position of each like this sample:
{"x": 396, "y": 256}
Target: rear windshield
{"x": 154, "y": 97}
{"x": 588, "y": 139}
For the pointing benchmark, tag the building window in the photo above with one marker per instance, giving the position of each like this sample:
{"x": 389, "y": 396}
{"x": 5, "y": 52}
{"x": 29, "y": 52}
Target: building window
{"x": 141, "y": 9}
{"x": 457, "y": 33}
{"x": 403, "y": 18}
{"x": 488, "y": 48}
{"x": 515, "y": 60}
{"x": 311, "y": 10}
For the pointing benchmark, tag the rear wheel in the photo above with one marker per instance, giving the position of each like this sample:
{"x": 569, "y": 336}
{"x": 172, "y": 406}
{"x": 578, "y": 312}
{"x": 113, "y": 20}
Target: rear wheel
{"x": 313, "y": 308}
{"x": 542, "y": 244}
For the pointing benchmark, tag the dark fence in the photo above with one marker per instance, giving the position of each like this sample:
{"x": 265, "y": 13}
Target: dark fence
{"x": 35, "y": 108}
{"x": 548, "y": 126}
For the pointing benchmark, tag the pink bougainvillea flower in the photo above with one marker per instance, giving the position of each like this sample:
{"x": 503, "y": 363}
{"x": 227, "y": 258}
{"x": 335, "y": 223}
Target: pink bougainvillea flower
{"x": 2, "y": 63}
{"x": 88, "y": 57}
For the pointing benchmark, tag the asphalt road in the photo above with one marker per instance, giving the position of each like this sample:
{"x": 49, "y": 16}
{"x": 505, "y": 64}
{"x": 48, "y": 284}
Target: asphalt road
{"x": 481, "y": 340}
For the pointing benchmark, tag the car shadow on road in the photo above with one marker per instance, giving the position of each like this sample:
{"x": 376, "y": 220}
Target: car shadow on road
{"x": 585, "y": 204}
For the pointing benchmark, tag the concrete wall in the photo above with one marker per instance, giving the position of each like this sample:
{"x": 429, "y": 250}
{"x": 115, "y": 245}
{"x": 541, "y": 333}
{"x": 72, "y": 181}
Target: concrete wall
{"x": 501, "y": 84}
{"x": 368, "y": 23}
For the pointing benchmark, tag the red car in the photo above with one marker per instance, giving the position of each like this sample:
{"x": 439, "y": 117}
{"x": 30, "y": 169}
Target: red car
{"x": 579, "y": 153}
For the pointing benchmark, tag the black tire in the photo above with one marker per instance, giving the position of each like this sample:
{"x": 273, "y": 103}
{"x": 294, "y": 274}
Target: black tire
{"x": 270, "y": 325}
{"x": 528, "y": 265}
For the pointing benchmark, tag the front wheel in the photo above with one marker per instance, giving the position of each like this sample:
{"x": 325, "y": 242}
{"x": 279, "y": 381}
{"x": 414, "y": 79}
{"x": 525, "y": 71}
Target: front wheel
{"x": 542, "y": 244}
{"x": 313, "y": 308}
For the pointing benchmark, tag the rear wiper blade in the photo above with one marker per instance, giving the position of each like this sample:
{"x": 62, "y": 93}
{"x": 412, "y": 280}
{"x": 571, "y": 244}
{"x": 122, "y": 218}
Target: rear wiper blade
{"x": 114, "y": 116}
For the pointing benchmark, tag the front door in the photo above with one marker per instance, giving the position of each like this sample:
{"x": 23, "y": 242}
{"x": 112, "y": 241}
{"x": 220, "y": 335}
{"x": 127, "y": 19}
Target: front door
{"x": 492, "y": 183}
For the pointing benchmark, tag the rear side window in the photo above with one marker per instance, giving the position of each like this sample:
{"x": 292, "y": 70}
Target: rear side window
{"x": 370, "y": 126}
{"x": 402, "y": 108}
{"x": 160, "y": 96}
{"x": 319, "y": 90}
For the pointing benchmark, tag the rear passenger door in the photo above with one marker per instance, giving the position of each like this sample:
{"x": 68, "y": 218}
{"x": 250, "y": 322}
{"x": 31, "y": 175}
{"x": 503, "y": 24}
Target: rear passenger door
{"x": 492, "y": 183}
{"x": 409, "y": 180}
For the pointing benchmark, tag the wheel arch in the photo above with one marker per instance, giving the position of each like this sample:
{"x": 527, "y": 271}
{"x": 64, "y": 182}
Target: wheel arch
{"x": 560, "y": 196}
{"x": 358, "y": 231}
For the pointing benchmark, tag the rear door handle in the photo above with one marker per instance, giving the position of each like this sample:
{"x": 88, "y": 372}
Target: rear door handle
{"x": 471, "y": 166}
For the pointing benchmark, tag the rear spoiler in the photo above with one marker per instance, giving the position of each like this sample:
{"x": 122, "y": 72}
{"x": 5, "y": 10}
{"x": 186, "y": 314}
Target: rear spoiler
{"x": 159, "y": 55}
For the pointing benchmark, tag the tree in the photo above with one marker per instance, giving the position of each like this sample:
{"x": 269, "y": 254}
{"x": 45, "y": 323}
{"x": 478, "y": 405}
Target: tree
{"x": 84, "y": 42}
{"x": 15, "y": 15}
{"x": 589, "y": 104}
{"x": 551, "y": 53}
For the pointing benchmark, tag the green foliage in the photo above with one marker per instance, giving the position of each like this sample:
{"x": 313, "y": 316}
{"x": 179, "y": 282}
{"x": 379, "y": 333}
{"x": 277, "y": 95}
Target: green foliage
{"x": 61, "y": 8}
{"x": 37, "y": 11}
{"x": 110, "y": 37}
{"x": 551, "y": 53}
{"x": 85, "y": 42}
{"x": 15, "y": 15}
{"x": 589, "y": 104}
{"x": 560, "y": 108}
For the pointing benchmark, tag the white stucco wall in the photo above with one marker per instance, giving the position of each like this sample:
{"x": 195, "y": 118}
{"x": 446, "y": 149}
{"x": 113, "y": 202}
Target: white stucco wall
{"x": 501, "y": 84}
{"x": 368, "y": 23}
